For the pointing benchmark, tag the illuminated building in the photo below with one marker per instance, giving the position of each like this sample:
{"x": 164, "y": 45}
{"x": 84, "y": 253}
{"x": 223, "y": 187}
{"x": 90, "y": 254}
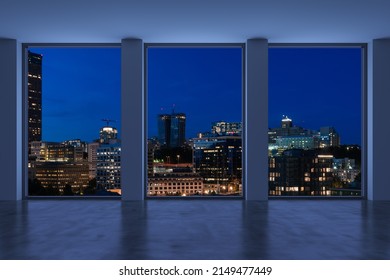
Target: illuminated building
{"x": 345, "y": 169}
{"x": 288, "y": 136}
{"x": 56, "y": 164}
{"x": 299, "y": 172}
{"x": 286, "y": 123}
{"x": 92, "y": 158}
{"x": 295, "y": 142}
{"x": 286, "y": 129}
{"x": 34, "y": 81}
{"x": 218, "y": 160}
{"x": 328, "y": 137}
{"x": 174, "y": 179}
{"x": 152, "y": 146}
{"x": 108, "y": 135}
{"x": 76, "y": 143}
{"x": 171, "y": 129}
{"x": 58, "y": 174}
{"x": 226, "y": 128}
{"x": 55, "y": 151}
{"x": 108, "y": 167}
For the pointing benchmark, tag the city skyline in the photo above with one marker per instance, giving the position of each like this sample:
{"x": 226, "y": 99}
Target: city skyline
{"x": 78, "y": 108}
{"x": 317, "y": 87}
{"x": 80, "y": 88}
{"x": 203, "y": 83}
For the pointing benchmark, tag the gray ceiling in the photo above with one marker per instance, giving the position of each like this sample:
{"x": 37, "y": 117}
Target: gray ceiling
{"x": 97, "y": 21}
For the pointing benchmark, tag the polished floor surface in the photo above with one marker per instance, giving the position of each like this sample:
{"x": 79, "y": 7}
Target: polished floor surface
{"x": 194, "y": 229}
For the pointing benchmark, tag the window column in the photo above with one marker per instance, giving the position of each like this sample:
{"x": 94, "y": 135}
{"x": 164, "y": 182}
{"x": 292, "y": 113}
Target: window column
{"x": 133, "y": 134}
{"x": 256, "y": 120}
{"x": 11, "y": 118}
{"x": 378, "y": 126}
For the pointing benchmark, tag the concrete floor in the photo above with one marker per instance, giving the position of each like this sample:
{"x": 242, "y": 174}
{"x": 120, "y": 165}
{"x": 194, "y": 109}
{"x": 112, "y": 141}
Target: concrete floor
{"x": 194, "y": 229}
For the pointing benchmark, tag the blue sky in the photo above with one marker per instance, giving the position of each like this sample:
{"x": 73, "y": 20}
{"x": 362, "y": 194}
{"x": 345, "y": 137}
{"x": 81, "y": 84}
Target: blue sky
{"x": 315, "y": 87}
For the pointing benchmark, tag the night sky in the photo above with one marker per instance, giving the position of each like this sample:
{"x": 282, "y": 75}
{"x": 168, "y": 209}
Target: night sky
{"x": 315, "y": 87}
{"x": 203, "y": 83}
{"x": 80, "y": 87}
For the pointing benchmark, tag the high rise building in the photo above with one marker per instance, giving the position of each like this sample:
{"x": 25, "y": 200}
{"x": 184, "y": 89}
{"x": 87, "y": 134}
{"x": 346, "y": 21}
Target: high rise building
{"x": 329, "y": 137}
{"x": 108, "y": 134}
{"x": 171, "y": 129}
{"x": 34, "y": 81}
{"x": 218, "y": 160}
{"x": 108, "y": 160}
{"x": 92, "y": 159}
{"x": 298, "y": 172}
{"x": 108, "y": 167}
{"x": 286, "y": 122}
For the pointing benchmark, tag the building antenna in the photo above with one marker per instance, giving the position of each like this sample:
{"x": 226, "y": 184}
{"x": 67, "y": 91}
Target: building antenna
{"x": 108, "y": 121}
{"x": 173, "y": 109}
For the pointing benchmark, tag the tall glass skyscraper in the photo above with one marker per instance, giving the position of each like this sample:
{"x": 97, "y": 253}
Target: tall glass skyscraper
{"x": 34, "y": 97}
{"x": 171, "y": 129}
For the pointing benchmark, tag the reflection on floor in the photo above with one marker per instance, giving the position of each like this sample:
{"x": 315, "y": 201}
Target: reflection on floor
{"x": 194, "y": 229}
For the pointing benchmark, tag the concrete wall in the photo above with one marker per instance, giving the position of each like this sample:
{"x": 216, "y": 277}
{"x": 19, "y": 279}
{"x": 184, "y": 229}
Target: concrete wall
{"x": 132, "y": 157}
{"x": 379, "y": 185}
{"x": 10, "y": 116}
{"x": 256, "y": 120}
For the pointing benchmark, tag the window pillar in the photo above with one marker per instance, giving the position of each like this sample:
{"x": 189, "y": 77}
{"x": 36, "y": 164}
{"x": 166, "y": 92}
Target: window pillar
{"x": 378, "y": 125}
{"x": 256, "y": 120}
{"x": 11, "y": 120}
{"x": 133, "y": 134}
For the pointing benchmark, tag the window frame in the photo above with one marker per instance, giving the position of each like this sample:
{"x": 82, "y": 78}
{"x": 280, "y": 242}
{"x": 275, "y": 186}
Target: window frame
{"x": 24, "y": 49}
{"x": 245, "y": 63}
{"x": 243, "y": 113}
{"x": 364, "y": 112}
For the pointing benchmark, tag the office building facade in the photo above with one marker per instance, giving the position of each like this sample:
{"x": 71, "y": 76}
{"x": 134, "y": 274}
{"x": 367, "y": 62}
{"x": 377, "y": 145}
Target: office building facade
{"x": 171, "y": 129}
{"x": 218, "y": 160}
{"x": 34, "y": 81}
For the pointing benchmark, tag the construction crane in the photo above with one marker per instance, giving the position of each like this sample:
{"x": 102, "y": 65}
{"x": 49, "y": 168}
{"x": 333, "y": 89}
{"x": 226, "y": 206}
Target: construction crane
{"x": 108, "y": 121}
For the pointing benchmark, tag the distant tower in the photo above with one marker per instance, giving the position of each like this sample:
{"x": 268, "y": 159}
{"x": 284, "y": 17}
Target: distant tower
{"x": 171, "y": 129}
{"x": 108, "y": 159}
{"x": 329, "y": 137}
{"x": 286, "y": 122}
{"x": 34, "y": 97}
{"x": 108, "y": 134}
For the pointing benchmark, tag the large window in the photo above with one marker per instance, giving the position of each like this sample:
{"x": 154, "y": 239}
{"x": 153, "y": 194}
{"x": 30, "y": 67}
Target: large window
{"x": 73, "y": 111}
{"x": 315, "y": 120}
{"x": 194, "y": 120}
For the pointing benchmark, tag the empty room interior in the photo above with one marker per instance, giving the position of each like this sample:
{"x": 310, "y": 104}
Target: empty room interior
{"x": 220, "y": 130}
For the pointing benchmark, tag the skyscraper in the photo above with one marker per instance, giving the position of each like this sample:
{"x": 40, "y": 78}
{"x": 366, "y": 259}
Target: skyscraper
{"x": 34, "y": 97}
{"x": 218, "y": 160}
{"x": 108, "y": 135}
{"x": 108, "y": 160}
{"x": 171, "y": 129}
